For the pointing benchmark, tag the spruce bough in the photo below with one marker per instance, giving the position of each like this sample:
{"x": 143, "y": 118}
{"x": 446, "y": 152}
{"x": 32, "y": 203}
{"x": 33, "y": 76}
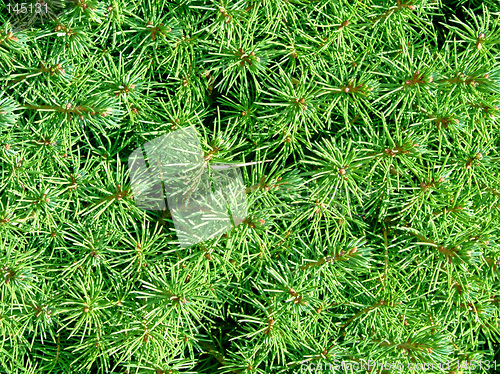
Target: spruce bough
{"x": 372, "y": 234}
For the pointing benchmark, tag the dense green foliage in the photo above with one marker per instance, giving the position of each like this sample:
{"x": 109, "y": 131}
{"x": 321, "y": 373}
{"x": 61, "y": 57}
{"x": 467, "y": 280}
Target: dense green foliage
{"x": 372, "y": 234}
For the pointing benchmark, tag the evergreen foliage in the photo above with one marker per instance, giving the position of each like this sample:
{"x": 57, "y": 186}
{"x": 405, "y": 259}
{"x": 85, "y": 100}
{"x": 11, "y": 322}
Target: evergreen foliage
{"x": 373, "y": 233}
